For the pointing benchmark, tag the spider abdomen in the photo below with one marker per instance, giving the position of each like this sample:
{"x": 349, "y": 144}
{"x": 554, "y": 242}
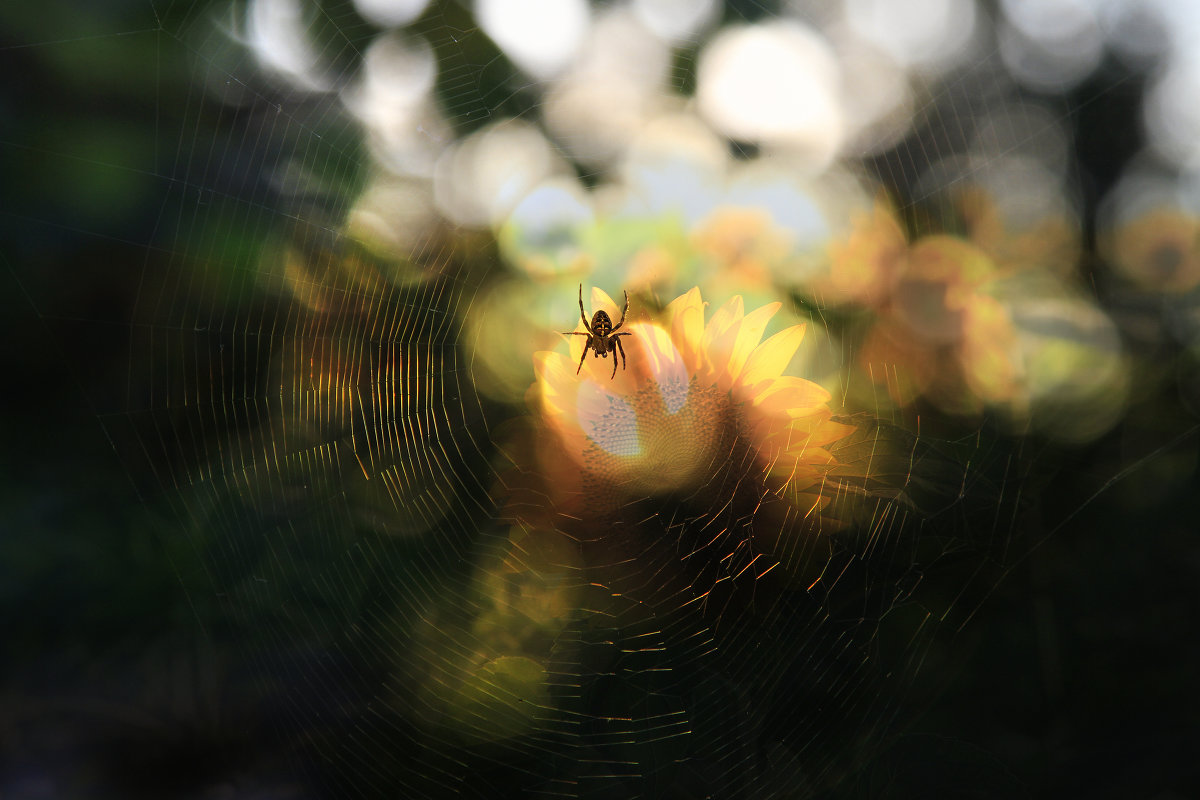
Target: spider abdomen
{"x": 601, "y": 324}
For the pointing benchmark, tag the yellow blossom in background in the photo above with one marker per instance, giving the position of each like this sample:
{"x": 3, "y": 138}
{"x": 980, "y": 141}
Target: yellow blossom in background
{"x": 690, "y": 389}
{"x": 1051, "y": 243}
{"x": 742, "y": 240}
{"x": 739, "y": 250}
{"x": 989, "y": 353}
{"x": 1159, "y": 250}
{"x": 942, "y": 335}
{"x": 865, "y": 264}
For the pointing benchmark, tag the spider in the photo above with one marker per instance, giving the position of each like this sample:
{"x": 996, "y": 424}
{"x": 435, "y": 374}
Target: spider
{"x": 602, "y": 336}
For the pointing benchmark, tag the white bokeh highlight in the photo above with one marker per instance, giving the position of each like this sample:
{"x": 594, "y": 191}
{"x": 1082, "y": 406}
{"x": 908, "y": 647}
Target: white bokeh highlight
{"x": 483, "y": 177}
{"x": 617, "y": 82}
{"x": 540, "y": 36}
{"x": 931, "y": 34}
{"x": 676, "y": 20}
{"x": 776, "y": 84}
{"x": 390, "y": 13}
{"x": 392, "y": 98}
{"x": 277, "y": 34}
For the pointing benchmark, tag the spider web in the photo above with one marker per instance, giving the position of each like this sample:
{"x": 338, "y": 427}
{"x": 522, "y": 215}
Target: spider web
{"x": 313, "y": 451}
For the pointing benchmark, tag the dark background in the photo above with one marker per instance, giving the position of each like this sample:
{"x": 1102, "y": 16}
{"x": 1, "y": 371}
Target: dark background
{"x": 1077, "y": 676}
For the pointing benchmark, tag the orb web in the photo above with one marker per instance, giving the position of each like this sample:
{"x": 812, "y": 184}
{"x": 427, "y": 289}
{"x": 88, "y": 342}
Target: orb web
{"x": 435, "y": 562}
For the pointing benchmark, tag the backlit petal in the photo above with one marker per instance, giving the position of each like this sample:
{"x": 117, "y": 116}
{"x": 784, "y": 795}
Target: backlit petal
{"x": 602, "y": 302}
{"x": 770, "y": 359}
{"x": 685, "y": 320}
{"x": 665, "y": 363}
{"x": 723, "y": 319}
{"x": 748, "y": 336}
{"x": 789, "y": 396}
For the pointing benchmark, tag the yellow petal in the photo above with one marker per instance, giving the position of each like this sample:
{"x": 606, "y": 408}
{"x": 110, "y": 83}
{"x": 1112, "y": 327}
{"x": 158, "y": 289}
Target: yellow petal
{"x": 726, "y": 317}
{"x": 816, "y": 432}
{"x": 555, "y": 374}
{"x": 665, "y": 365}
{"x": 748, "y": 336}
{"x": 689, "y": 300}
{"x": 789, "y": 396}
{"x": 802, "y": 460}
{"x": 602, "y": 302}
{"x": 771, "y": 358}
{"x": 685, "y": 318}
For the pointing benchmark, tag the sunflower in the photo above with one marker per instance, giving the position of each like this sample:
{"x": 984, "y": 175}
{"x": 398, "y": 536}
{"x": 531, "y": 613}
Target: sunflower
{"x": 693, "y": 397}
{"x": 1048, "y": 243}
{"x": 943, "y": 335}
{"x": 1159, "y": 250}
{"x": 865, "y": 264}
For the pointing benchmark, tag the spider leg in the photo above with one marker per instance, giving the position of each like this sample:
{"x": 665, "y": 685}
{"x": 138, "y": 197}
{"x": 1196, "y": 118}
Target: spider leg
{"x": 621, "y": 350}
{"x": 586, "y": 345}
{"x": 624, "y": 311}
{"x": 583, "y": 316}
{"x": 612, "y": 345}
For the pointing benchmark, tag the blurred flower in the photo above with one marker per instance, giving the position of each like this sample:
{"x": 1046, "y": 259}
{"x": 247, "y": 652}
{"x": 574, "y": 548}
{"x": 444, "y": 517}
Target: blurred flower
{"x": 865, "y": 264}
{"x": 1148, "y": 237}
{"x": 680, "y": 212}
{"x": 742, "y": 247}
{"x": 1050, "y": 242}
{"x": 1076, "y": 376}
{"x": 689, "y": 389}
{"x": 477, "y": 669}
{"x": 1158, "y": 250}
{"x": 942, "y": 335}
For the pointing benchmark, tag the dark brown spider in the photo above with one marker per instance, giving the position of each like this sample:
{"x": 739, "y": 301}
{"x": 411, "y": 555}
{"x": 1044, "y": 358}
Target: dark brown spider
{"x": 602, "y": 336}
